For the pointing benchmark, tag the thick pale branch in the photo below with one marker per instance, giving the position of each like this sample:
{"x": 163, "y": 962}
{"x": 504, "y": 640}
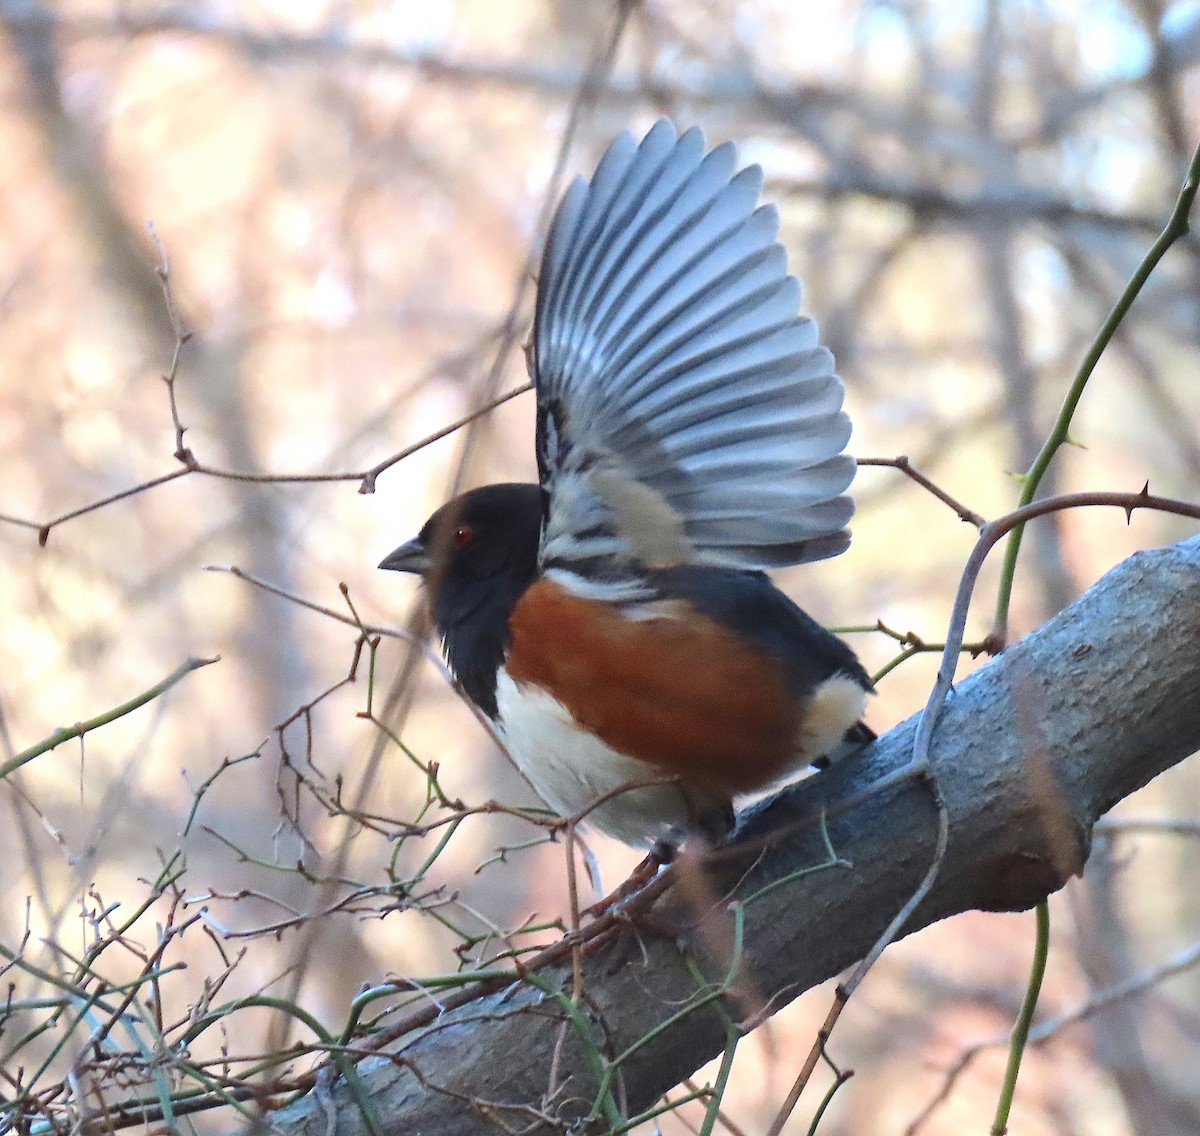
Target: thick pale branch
{"x": 1030, "y": 751}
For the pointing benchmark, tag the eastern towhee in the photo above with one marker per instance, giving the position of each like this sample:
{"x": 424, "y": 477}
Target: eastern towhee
{"x": 614, "y": 621}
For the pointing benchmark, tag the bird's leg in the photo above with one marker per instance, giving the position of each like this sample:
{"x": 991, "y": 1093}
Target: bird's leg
{"x": 692, "y": 892}
{"x": 592, "y": 864}
{"x": 659, "y": 856}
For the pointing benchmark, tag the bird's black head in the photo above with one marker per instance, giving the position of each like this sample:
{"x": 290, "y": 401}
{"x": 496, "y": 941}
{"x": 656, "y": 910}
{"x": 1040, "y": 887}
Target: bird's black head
{"x": 476, "y": 554}
{"x": 481, "y": 541}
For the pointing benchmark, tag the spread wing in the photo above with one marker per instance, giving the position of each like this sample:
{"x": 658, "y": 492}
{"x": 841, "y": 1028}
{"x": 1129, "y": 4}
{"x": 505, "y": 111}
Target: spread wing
{"x": 686, "y": 411}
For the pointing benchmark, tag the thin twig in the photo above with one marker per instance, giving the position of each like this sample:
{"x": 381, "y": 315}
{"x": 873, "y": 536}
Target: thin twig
{"x": 182, "y": 336}
{"x": 79, "y": 729}
{"x": 905, "y": 466}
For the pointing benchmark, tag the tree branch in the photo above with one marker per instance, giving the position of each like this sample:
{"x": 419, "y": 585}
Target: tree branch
{"x": 1030, "y": 751}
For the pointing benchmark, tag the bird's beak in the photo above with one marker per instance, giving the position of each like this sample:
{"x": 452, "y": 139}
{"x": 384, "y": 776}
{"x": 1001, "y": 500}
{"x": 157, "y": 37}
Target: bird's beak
{"x": 410, "y": 557}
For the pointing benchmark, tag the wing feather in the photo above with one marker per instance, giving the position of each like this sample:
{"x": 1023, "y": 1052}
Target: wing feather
{"x": 686, "y": 411}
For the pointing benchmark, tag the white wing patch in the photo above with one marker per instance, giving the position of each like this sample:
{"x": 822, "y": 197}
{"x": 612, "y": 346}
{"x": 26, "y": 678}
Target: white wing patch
{"x": 653, "y": 530}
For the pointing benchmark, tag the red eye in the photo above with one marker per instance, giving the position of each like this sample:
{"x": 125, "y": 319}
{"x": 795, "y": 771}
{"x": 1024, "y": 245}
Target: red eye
{"x": 463, "y": 535}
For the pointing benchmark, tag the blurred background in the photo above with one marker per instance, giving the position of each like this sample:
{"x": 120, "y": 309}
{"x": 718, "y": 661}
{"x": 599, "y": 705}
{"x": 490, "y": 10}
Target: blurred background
{"x": 348, "y": 193}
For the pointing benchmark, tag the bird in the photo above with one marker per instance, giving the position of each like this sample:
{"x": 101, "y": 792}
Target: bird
{"x": 615, "y": 621}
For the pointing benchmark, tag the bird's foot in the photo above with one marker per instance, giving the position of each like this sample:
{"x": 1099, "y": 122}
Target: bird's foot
{"x": 659, "y": 856}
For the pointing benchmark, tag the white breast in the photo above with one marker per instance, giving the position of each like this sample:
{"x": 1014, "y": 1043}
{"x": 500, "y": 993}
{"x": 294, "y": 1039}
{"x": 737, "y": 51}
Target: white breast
{"x": 571, "y": 768}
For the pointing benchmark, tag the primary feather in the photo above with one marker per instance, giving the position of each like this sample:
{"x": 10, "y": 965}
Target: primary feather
{"x": 687, "y": 412}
